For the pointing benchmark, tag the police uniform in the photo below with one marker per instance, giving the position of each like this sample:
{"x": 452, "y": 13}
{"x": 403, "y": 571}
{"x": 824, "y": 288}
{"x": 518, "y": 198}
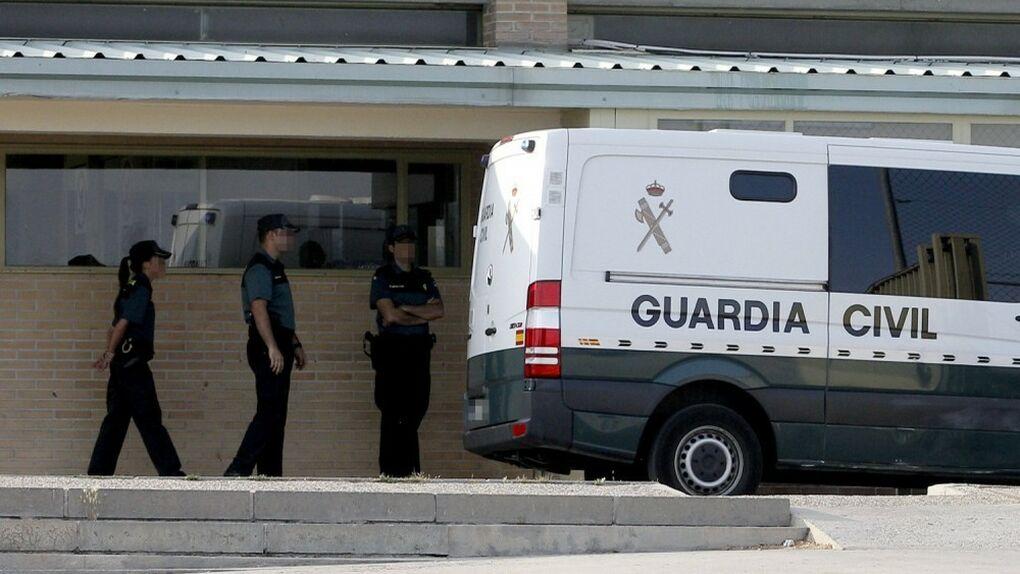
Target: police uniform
{"x": 262, "y": 446}
{"x": 131, "y": 391}
{"x": 401, "y": 356}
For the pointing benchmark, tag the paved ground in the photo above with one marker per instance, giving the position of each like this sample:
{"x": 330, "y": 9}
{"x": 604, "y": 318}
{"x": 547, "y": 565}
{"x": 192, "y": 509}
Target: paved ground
{"x": 968, "y": 519}
{"x": 962, "y": 529}
{"x": 792, "y": 561}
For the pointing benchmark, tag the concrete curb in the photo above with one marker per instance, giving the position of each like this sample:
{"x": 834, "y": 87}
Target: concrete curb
{"x": 816, "y": 535}
{"x": 351, "y": 518}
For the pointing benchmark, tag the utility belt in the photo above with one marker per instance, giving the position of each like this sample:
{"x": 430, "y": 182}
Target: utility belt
{"x": 133, "y": 351}
{"x": 284, "y": 337}
{"x": 385, "y": 346}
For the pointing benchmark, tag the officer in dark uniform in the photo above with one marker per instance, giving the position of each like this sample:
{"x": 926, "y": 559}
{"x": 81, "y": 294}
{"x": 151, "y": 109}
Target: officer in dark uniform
{"x": 406, "y": 299}
{"x": 273, "y": 348}
{"x": 131, "y": 391}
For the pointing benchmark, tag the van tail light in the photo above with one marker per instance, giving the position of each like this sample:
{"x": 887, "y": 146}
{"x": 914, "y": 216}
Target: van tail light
{"x": 542, "y": 331}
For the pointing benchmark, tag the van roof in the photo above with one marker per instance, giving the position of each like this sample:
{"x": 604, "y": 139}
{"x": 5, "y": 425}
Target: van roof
{"x": 743, "y": 139}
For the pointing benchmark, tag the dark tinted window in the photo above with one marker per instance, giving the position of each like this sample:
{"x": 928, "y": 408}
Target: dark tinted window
{"x": 242, "y": 24}
{"x": 924, "y": 233}
{"x": 763, "y": 186}
{"x": 805, "y": 35}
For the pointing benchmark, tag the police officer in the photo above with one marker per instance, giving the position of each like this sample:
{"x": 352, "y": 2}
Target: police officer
{"x": 273, "y": 348}
{"x": 406, "y": 300}
{"x": 131, "y": 391}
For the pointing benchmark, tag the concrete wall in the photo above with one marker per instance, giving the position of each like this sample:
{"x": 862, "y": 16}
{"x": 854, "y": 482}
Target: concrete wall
{"x": 283, "y": 120}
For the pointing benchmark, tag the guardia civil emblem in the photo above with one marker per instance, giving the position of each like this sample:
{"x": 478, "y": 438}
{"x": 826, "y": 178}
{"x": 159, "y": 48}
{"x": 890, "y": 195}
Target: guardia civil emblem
{"x": 511, "y": 212}
{"x": 654, "y": 222}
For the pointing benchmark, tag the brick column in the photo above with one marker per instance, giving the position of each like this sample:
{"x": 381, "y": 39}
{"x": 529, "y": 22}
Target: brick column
{"x": 537, "y": 23}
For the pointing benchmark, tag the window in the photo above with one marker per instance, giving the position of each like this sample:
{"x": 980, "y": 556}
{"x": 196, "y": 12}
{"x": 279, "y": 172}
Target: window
{"x": 434, "y": 212}
{"x": 817, "y": 33}
{"x": 763, "y": 186}
{"x": 900, "y": 130}
{"x": 280, "y": 24}
{"x": 91, "y": 208}
{"x": 1004, "y": 135}
{"x": 924, "y": 233}
{"x": 708, "y": 125}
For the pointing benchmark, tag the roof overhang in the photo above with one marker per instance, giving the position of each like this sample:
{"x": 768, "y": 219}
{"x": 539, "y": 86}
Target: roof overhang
{"x": 507, "y": 85}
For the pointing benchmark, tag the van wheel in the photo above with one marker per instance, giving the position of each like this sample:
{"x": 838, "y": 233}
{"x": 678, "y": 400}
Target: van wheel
{"x": 707, "y": 450}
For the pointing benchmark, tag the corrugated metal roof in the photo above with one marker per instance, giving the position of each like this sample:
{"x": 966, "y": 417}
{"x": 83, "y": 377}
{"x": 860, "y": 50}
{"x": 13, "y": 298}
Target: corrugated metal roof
{"x": 594, "y": 55}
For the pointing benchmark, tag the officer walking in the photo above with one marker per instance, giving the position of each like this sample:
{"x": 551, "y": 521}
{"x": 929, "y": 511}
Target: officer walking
{"x": 131, "y": 391}
{"x": 406, "y": 300}
{"x": 273, "y": 348}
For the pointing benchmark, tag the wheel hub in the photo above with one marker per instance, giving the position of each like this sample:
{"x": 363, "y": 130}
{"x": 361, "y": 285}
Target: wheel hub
{"x": 707, "y": 461}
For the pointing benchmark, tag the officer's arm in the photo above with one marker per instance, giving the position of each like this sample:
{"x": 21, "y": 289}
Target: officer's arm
{"x": 260, "y": 312}
{"x": 391, "y": 315}
{"x": 116, "y": 335}
{"x": 430, "y": 311}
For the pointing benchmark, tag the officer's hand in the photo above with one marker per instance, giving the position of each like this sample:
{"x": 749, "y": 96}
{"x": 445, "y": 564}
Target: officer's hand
{"x": 276, "y": 360}
{"x": 299, "y": 358}
{"x": 103, "y": 361}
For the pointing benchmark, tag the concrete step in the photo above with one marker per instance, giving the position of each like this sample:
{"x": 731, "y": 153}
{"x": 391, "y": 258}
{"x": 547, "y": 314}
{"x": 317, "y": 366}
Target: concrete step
{"x": 354, "y": 501}
{"x": 376, "y": 539}
{"x": 374, "y": 518}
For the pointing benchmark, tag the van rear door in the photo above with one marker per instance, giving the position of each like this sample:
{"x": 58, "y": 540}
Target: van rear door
{"x": 506, "y": 238}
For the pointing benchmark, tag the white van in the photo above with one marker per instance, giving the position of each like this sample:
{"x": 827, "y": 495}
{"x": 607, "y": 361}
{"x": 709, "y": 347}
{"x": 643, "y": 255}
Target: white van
{"x": 705, "y": 309}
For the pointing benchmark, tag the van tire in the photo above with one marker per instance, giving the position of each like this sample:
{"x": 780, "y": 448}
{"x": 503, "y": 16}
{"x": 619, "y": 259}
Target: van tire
{"x": 707, "y": 450}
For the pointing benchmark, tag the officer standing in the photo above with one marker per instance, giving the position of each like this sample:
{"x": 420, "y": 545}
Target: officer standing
{"x": 406, "y": 299}
{"x": 131, "y": 391}
{"x": 273, "y": 348}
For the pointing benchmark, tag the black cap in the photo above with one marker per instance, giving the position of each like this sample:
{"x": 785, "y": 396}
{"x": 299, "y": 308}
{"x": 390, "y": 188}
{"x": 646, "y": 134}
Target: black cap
{"x": 402, "y": 233}
{"x": 146, "y": 250}
{"x": 275, "y": 221}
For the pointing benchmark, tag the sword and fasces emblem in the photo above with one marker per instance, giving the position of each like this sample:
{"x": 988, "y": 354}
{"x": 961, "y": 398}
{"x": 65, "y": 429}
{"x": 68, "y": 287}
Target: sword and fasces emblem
{"x": 511, "y": 211}
{"x": 654, "y": 222}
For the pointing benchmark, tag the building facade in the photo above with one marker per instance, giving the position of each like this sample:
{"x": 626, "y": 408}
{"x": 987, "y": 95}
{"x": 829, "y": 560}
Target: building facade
{"x": 181, "y": 120}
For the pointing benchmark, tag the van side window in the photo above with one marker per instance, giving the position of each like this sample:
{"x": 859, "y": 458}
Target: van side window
{"x": 763, "y": 186}
{"x": 924, "y": 233}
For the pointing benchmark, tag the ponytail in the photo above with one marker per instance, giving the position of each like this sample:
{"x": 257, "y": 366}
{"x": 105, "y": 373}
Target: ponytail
{"x": 124, "y": 274}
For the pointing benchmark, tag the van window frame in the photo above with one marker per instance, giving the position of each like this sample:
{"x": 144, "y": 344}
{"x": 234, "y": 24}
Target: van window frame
{"x": 758, "y": 173}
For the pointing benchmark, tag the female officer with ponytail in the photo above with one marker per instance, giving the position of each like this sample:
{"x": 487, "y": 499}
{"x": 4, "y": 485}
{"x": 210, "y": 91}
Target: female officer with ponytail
{"x": 131, "y": 392}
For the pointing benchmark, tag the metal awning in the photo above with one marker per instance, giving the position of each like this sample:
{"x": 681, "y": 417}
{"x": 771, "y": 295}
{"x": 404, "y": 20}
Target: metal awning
{"x": 592, "y": 55}
{"x": 593, "y": 75}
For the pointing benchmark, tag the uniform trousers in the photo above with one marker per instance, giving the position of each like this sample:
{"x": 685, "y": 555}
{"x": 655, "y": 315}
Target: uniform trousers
{"x": 262, "y": 446}
{"x": 131, "y": 394}
{"x": 402, "y": 387}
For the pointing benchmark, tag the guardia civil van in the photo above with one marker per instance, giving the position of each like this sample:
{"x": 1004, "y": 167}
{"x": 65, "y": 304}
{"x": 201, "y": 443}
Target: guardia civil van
{"x": 705, "y": 308}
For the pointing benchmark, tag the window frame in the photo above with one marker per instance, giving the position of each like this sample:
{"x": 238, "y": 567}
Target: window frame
{"x": 460, "y": 154}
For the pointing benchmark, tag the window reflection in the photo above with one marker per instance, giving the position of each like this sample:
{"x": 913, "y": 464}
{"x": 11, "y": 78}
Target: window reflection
{"x": 89, "y": 209}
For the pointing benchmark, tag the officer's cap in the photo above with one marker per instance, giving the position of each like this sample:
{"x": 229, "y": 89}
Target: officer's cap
{"x": 275, "y": 221}
{"x": 402, "y": 233}
{"x": 146, "y": 250}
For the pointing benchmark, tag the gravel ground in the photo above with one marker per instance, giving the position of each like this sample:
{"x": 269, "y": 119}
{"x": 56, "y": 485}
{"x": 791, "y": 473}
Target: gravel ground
{"x": 429, "y": 486}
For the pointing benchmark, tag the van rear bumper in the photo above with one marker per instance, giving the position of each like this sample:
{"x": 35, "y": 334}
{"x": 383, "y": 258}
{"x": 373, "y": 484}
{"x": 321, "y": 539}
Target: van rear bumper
{"x": 548, "y": 425}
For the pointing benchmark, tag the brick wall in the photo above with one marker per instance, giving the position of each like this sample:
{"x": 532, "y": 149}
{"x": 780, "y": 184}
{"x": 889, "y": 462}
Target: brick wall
{"x": 525, "y": 23}
{"x": 52, "y": 327}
